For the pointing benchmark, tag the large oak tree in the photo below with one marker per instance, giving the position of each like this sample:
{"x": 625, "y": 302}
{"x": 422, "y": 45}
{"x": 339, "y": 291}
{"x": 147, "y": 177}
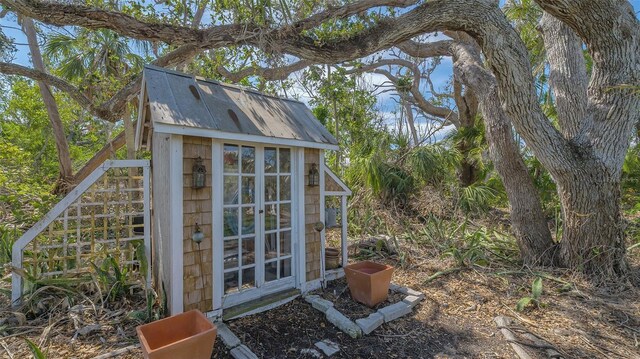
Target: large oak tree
{"x": 583, "y": 152}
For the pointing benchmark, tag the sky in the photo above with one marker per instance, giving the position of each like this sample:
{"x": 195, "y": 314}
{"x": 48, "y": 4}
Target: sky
{"x": 387, "y": 105}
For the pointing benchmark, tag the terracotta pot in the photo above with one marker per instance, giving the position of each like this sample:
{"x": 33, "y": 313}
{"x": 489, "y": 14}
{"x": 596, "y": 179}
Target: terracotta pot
{"x": 369, "y": 282}
{"x": 184, "y": 336}
{"x": 332, "y": 258}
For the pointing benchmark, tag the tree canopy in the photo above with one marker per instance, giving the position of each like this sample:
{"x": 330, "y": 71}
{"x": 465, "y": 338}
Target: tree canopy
{"x": 547, "y": 88}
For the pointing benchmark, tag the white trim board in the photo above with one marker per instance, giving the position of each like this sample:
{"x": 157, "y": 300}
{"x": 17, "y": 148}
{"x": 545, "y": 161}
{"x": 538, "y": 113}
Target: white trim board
{"x": 346, "y": 190}
{"x": 229, "y": 136}
{"x": 176, "y": 304}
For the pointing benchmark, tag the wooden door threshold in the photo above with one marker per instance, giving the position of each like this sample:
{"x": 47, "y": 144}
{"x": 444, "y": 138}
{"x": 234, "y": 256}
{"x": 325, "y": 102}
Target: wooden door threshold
{"x": 261, "y": 304}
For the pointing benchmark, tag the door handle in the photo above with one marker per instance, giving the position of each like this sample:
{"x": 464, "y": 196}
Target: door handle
{"x": 261, "y": 211}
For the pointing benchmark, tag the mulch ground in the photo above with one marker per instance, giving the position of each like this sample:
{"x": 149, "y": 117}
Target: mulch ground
{"x": 287, "y": 331}
{"x": 454, "y": 321}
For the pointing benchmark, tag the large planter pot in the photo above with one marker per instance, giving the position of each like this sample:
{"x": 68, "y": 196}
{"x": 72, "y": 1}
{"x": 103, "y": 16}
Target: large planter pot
{"x": 368, "y": 282}
{"x": 184, "y": 336}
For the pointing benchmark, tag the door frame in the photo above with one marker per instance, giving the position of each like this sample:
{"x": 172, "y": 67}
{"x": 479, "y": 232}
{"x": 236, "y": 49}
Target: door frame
{"x": 297, "y": 278}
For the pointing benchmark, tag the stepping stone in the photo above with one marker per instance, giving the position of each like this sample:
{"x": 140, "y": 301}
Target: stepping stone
{"x": 395, "y": 311}
{"x": 370, "y": 323}
{"x": 328, "y": 347}
{"x": 228, "y": 338}
{"x": 242, "y": 352}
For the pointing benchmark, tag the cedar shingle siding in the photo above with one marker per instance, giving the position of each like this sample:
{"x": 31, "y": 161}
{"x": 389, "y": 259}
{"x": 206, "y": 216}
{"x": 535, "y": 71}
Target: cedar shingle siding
{"x": 312, "y": 215}
{"x": 198, "y": 287}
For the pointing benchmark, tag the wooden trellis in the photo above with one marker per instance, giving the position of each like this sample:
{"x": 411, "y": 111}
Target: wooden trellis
{"x": 107, "y": 214}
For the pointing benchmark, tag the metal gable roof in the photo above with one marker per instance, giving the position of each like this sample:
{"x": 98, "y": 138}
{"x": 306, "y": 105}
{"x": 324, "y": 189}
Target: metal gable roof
{"x": 181, "y": 100}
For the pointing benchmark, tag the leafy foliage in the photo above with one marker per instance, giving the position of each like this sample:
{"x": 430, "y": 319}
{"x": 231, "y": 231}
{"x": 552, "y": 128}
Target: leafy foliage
{"x": 534, "y": 298}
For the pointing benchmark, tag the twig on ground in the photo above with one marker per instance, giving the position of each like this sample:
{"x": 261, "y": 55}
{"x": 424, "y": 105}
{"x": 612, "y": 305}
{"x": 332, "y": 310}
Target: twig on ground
{"x": 395, "y": 335}
{"x": 117, "y": 352}
{"x": 438, "y": 274}
{"x": 6, "y": 349}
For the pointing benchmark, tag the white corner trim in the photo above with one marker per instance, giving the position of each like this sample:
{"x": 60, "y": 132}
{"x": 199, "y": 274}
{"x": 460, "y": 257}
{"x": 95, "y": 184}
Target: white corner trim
{"x": 217, "y": 225}
{"x": 176, "y": 225}
{"x": 301, "y": 235}
{"x": 323, "y": 233}
{"x": 312, "y": 285}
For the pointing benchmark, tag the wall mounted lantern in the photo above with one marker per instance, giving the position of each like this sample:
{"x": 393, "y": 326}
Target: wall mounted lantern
{"x": 197, "y": 235}
{"x": 199, "y": 174}
{"x": 314, "y": 176}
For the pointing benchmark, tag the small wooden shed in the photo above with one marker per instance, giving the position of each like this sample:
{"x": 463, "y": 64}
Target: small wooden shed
{"x": 254, "y": 228}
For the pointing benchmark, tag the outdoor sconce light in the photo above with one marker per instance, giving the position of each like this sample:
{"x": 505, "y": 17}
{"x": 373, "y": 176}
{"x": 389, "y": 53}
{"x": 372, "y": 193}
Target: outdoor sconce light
{"x": 199, "y": 174}
{"x": 314, "y": 176}
{"x": 197, "y": 235}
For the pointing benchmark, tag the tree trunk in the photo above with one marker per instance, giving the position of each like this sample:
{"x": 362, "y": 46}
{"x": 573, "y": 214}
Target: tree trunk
{"x": 106, "y": 152}
{"x": 334, "y": 107}
{"x": 527, "y": 218}
{"x": 467, "y": 104}
{"x": 410, "y": 121}
{"x": 593, "y": 231}
{"x": 129, "y": 133}
{"x": 65, "y": 179}
{"x": 567, "y": 74}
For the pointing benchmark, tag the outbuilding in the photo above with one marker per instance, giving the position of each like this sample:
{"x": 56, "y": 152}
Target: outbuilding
{"x": 239, "y": 186}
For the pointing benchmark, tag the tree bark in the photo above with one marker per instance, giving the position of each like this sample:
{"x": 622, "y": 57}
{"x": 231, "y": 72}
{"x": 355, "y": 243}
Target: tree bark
{"x": 567, "y": 74}
{"x": 65, "y": 178}
{"x": 593, "y": 230}
{"x": 410, "y": 121}
{"x": 527, "y": 217}
{"x": 467, "y": 104}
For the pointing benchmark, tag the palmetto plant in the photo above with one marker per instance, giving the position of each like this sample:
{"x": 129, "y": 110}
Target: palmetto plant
{"x": 91, "y": 58}
{"x": 433, "y": 163}
{"x": 534, "y": 298}
{"x": 112, "y": 278}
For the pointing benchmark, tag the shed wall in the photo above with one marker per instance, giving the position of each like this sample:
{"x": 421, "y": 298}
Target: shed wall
{"x": 197, "y": 205}
{"x": 160, "y": 238}
{"x": 312, "y": 215}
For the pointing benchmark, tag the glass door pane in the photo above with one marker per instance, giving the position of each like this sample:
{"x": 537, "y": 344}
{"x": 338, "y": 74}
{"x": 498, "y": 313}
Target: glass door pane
{"x": 239, "y": 200}
{"x": 277, "y": 210}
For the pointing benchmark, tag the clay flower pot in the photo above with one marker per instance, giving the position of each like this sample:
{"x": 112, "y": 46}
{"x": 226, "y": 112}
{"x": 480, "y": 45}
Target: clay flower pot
{"x": 368, "y": 282}
{"x": 332, "y": 258}
{"x": 184, "y": 336}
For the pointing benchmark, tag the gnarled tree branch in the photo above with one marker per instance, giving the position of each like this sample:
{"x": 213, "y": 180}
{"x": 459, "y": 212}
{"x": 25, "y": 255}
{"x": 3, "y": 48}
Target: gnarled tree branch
{"x": 274, "y": 73}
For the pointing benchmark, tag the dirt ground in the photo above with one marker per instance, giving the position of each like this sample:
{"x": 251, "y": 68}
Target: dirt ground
{"x": 456, "y": 320}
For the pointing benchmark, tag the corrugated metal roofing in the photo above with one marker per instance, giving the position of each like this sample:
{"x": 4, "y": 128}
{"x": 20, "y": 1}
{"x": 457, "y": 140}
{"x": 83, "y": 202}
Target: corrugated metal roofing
{"x": 182, "y": 100}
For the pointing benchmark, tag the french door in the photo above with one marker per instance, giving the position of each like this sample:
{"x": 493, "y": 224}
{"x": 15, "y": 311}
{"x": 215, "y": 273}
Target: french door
{"x": 257, "y": 186}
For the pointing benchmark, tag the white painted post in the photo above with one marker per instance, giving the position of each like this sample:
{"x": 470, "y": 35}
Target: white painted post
{"x": 321, "y": 168}
{"x": 175, "y": 201}
{"x": 16, "y": 280}
{"x": 217, "y": 232}
{"x": 343, "y": 208}
{"x": 298, "y": 175}
{"x": 147, "y": 221}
